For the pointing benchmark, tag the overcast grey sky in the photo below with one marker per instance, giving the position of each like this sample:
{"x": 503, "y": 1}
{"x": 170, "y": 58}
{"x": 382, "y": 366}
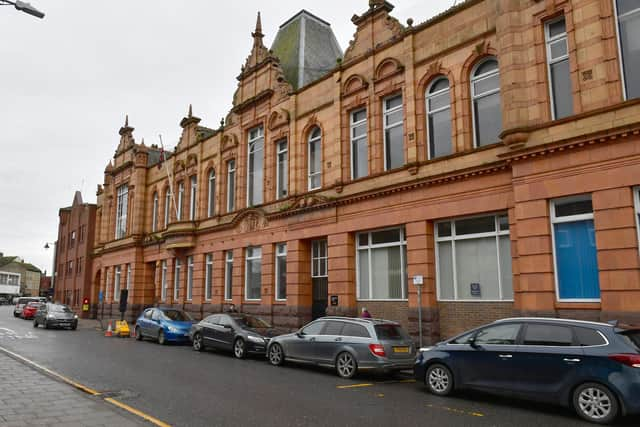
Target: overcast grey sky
{"x": 67, "y": 81}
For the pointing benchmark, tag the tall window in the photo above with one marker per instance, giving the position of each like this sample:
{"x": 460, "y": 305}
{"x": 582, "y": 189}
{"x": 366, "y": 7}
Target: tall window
{"x": 282, "y": 171}
{"x": 382, "y": 265}
{"x": 128, "y": 285}
{"x": 253, "y": 273}
{"x": 208, "y": 277}
{"x": 180, "y": 200}
{"x": 439, "y": 118}
{"x": 167, "y": 207}
{"x": 228, "y": 275}
{"x": 116, "y": 284}
{"x": 107, "y": 285}
{"x": 636, "y": 197}
{"x": 189, "y": 277}
{"x": 393, "y": 132}
{"x": 485, "y": 91}
{"x": 574, "y": 248}
{"x": 558, "y": 68}
{"x": 163, "y": 281}
{"x": 121, "y": 211}
{"x": 359, "y": 148}
{"x": 628, "y": 13}
{"x": 474, "y": 259}
{"x": 255, "y": 169}
{"x": 231, "y": 185}
{"x": 211, "y": 195}
{"x": 315, "y": 159}
{"x": 281, "y": 271}
{"x": 154, "y": 213}
{"x": 176, "y": 279}
{"x": 193, "y": 198}
{"x": 319, "y": 278}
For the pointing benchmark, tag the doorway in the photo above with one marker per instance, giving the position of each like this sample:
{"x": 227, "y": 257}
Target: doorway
{"x": 319, "y": 278}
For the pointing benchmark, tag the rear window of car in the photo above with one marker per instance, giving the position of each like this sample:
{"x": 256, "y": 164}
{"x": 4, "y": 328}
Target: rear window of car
{"x": 353, "y": 330}
{"x": 24, "y": 300}
{"x": 587, "y": 337}
{"x": 389, "y": 332}
{"x": 632, "y": 338}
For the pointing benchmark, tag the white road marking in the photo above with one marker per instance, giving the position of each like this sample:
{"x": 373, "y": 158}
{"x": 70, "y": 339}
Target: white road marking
{"x": 11, "y": 334}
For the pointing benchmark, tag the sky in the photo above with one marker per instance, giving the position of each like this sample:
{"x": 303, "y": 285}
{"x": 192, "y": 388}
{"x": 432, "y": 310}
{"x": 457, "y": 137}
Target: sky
{"x": 67, "y": 81}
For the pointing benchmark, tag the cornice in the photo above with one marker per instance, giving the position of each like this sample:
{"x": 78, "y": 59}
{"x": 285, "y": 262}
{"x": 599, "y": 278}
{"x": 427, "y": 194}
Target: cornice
{"x": 243, "y": 106}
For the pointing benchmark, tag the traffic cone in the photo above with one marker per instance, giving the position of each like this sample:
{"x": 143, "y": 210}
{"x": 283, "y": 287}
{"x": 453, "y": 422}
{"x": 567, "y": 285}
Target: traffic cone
{"x": 109, "y": 332}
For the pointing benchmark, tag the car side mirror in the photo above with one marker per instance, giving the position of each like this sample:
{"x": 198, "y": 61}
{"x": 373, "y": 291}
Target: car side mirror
{"x": 226, "y": 326}
{"x": 472, "y": 342}
{"x": 300, "y": 334}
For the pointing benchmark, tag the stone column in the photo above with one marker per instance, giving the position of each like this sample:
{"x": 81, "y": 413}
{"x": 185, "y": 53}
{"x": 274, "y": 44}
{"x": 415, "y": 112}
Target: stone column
{"x": 297, "y": 311}
{"x": 342, "y": 274}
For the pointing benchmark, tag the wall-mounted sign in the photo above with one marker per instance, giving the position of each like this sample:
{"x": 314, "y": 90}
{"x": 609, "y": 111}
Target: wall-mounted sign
{"x": 334, "y": 299}
{"x": 474, "y": 288}
{"x": 418, "y": 280}
{"x": 100, "y": 296}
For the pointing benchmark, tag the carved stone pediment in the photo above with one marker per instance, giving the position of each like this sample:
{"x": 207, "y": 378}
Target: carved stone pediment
{"x": 377, "y": 22}
{"x": 250, "y": 220}
{"x": 229, "y": 141}
{"x": 307, "y": 201}
{"x": 278, "y": 118}
{"x": 353, "y": 84}
{"x": 387, "y": 68}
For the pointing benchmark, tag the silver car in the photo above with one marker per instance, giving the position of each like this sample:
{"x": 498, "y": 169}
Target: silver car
{"x": 346, "y": 344}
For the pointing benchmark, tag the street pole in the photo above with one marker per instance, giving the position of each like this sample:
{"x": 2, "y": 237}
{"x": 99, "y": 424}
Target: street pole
{"x": 420, "y": 313}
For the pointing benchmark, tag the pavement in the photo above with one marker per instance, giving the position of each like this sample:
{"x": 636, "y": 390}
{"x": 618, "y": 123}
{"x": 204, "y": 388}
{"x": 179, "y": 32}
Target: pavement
{"x": 30, "y": 397}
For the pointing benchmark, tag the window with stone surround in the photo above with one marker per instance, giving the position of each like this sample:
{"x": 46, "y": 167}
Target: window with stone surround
{"x": 628, "y": 28}
{"x": 163, "y": 280}
{"x": 381, "y": 265}
{"x": 190, "y": 278}
{"x": 315, "y": 158}
{"x": 282, "y": 169}
{"x": 485, "y": 93}
{"x": 253, "y": 273}
{"x": 154, "y": 213}
{"x": 393, "y": 122}
{"x": 116, "y": 284}
{"x": 228, "y": 275}
{"x": 128, "y": 283}
{"x": 208, "y": 277}
{"x": 193, "y": 198}
{"x": 560, "y": 92}
{"x": 473, "y": 259}
{"x": 176, "y": 278}
{"x": 255, "y": 169}
{"x": 636, "y": 198}
{"x": 211, "y": 195}
{"x": 121, "y": 210}
{"x": 180, "y": 200}
{"x": 231, "y": 185}
{"x": 359, "y": 144}
{"x": 167, "y": 207}
{"x": 281, "y": 271}
{"x": 439, "y": 118}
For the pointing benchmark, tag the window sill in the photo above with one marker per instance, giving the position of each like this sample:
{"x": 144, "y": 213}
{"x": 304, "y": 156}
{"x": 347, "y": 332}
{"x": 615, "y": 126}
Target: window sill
{"x": 382, "y": 300}
{"x": 578, "y": 304}
{"x": 475, "y": 300}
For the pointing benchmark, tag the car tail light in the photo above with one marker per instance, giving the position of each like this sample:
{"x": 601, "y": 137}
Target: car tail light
{"x": 377, "y": 350}
{"x": 632, "y": 360}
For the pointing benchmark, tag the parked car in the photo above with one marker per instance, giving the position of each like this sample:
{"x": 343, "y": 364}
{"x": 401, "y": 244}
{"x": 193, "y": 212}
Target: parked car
{"x": 52, "y": 315}
{"x": 29, "y": 310}
{"x": 164, "y": 325}
{"x": 239, "y": 333}
{"x": 22, "y": 301}
{"x": 348, "y": 345}
{"x": 590, "y": 366}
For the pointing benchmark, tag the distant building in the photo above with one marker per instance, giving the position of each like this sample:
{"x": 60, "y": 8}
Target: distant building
{"x": 20, "y": 276}
{"x": 76, "y": 227}
{"x": 45, "y": 285}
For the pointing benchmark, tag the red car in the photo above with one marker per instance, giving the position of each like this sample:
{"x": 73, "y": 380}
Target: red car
{"x": 29, "y": 310}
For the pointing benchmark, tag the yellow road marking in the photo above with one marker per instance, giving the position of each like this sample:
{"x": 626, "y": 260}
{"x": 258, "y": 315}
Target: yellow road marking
{"x": 456, "y": 411}
{"x": 355, "y": 385}
{"x": 137, "y": 412}
{"x": 87, "y": 389}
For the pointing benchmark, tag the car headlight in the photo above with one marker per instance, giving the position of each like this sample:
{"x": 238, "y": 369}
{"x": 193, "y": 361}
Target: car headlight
{"x": 255, "y": 339}
{"x": 49, "y": 316}
{"x": 172, "y": 329}
{"x": 423, "y": 349}
{"x": 75, "y": 316}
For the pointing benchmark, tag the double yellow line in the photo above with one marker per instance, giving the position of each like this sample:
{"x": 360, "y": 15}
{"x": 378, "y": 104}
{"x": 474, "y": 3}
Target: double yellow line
{"x": 86, "y": 389}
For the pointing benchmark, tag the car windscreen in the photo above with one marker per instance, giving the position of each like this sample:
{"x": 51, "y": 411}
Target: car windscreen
{"x": 632, "y": 337}
{"x": 389, "y": 332}
{"x": 60, "y": 308}
{"x": 176, "y": 315}
{"x": 33, "y": 304}
{"x": 251, "y": 322}
{"x": 24, "y": 300}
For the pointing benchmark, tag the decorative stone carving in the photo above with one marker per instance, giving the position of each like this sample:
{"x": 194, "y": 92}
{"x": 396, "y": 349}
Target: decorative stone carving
{"x": 229, "y": 141}
{"x": 482, "y": 48}
{"x": 394, "y": 25}
{"x": 388, "y": 67}
{"x": 252, "y": 221}
{"x": 354, "y": 83}
{"x": 434, "y": 68}
{"x": 278, "y": 118}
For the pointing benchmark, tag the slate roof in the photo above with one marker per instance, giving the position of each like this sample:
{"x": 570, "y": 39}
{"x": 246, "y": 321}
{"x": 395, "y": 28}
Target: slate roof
{"x": 5, "y": 260}
{"x": 306, "y": 47}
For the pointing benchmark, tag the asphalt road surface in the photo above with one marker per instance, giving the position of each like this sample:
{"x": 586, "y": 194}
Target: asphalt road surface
{"x": 185, "y": 388}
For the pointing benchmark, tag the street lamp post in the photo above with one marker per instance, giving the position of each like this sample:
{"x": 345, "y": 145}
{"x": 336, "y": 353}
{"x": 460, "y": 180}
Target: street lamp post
{"x": 23, "y": 7}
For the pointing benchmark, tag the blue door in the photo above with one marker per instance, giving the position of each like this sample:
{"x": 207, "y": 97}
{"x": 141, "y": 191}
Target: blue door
{"x": 576, "y": 260}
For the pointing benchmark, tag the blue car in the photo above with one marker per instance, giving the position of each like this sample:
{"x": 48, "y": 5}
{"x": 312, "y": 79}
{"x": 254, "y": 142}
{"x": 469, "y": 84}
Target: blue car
{"x": 589, "y": 366}
{"x": 164, "y": 325}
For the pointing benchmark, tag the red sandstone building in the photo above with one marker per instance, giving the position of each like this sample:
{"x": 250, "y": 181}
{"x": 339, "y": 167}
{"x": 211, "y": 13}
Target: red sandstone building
{"x": 492, "y": 150}
{"x": 76, "y": 231}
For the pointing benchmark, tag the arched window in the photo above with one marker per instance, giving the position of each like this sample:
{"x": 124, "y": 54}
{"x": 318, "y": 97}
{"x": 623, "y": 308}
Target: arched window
{"x": 485, "y": 93}
{"x": 167, "y": 206}
{"x": 628, "y": 17}
{"x": 315, "y": 159}
{"x": 154, "y": 213}
{"x": 439, "y": 118}
{"x": 211, "y": 197}
{"x": 255, "y": 166}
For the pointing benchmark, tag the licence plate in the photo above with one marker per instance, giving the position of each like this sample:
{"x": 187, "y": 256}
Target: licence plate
{"x": 401, "y": 349}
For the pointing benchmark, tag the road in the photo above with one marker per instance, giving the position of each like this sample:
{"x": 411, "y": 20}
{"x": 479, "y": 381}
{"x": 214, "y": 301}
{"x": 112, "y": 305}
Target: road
{"x": 185, "y": 388}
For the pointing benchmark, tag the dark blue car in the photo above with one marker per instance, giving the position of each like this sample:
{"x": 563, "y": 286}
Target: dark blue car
{"x": 164, "y": 325}
{"x": 589, "y": 366}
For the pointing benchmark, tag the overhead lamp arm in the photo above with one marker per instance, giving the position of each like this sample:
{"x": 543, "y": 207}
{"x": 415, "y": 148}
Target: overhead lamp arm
{"x": 23, "y": 7}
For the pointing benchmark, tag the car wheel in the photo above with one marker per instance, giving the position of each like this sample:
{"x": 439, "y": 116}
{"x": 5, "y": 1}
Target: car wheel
{"x": 239, "y": 348}
{"x": 46, "y": 324}
{"x": 439, "y": 380}
{"x": 138, "y": 334}
{"x": 346, "y": 365}
{"x": 595, "y": 403}
{"x": 35, "y": 323}
{"x": 276, "y": 355}
{"x": 197, "y": 342}
{"x": 74, "y": 327}
{"x": 15, "y": 315}
{"x": 161, "y": 338}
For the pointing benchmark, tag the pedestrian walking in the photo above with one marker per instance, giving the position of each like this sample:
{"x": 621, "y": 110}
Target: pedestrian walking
{"x": 231, "y": 308}
{"x": 365, "y": 313}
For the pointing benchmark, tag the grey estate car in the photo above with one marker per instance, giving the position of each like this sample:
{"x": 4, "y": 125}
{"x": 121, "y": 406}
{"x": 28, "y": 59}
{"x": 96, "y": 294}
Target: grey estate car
{"x": 347, "y": 344}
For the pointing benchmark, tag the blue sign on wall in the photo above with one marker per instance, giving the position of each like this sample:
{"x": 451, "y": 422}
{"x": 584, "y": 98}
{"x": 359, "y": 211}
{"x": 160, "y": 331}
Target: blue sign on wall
{"x": 475, "y": 289}
{"x": 100, "y": 297}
